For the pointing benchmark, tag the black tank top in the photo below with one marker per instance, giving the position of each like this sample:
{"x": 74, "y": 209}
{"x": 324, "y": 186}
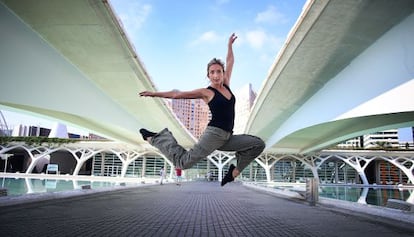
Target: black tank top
{"x": 222, "y": 110}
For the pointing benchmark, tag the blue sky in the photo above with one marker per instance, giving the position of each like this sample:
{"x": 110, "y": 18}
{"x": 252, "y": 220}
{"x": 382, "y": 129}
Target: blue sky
{"x": 176, "y": 39}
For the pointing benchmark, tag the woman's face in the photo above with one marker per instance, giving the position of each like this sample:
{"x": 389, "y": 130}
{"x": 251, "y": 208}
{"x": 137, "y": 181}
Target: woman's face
{"x": 216, "y": 74}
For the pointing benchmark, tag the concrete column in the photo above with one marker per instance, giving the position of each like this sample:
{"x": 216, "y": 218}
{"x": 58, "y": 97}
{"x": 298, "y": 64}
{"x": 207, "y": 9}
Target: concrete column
{"x": 144, "y": 166}
{"x": 102, "y": 163}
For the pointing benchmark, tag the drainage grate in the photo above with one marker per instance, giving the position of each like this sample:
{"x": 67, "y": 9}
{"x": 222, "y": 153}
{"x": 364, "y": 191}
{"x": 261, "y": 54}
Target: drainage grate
{"x": 399, "y": 204}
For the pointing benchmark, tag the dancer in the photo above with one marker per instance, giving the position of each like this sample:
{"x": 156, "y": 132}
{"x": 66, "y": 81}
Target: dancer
{"x": 219, "y": 133}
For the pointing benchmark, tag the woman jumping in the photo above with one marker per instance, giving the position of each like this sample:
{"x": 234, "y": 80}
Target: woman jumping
{"x": 219, "y": 133}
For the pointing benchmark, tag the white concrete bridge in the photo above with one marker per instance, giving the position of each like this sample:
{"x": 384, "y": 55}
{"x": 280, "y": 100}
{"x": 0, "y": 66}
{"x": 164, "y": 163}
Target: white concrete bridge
{"x": 346, "y": 69}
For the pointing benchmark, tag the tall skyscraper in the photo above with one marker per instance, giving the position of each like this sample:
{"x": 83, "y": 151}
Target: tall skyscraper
{"x": 194, "y": 114}
{"x": 245, "y": 97}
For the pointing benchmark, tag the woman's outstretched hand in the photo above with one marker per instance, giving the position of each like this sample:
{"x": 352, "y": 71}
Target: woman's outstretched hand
{"x": 232, "y": 38}
{"x": 146, "y": 93}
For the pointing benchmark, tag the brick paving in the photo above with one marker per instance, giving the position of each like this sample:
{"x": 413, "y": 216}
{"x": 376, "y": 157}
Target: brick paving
{"x": 193, "y": 209}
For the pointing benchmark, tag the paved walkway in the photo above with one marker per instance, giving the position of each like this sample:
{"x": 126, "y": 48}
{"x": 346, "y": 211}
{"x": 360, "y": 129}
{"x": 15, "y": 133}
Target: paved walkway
{"x": 193, "y": 209}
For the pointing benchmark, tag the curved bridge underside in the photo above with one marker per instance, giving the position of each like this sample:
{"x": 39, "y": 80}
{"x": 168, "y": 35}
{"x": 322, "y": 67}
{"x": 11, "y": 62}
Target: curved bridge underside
{"x": 337, "y": 76}
{"x": 71, "y": 61}
{"x": 347, "y": 69}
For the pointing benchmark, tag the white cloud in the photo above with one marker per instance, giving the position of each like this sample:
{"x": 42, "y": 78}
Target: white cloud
{"x": 271, "y": 15}
{"x": 136, "y": 16}
{"x": 209, "y": 36}
{"x": 206, "y": 37}
{"x": 256, "y": 38}
{"x": 260, "y": 39}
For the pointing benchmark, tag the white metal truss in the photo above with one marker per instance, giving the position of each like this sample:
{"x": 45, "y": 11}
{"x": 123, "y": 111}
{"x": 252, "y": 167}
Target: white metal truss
{"x": 359, "y": 163}
{"x": 220, "y": 159}
{"x": 357, "y": 160}
{"x": 267, "y": 161}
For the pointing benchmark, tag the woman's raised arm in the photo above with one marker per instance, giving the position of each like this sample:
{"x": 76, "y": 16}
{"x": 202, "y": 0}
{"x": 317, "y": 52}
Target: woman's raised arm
{"x": 229, "y": 59}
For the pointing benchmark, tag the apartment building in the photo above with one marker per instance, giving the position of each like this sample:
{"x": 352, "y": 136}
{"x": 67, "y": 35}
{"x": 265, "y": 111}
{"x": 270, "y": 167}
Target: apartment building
{"x": 194, "y": 114}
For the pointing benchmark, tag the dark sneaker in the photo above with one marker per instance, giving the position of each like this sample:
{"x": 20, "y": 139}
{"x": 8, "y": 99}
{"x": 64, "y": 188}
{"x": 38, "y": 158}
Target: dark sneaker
{"x": 146, "y": 134}
{"x": 229, "y": 176}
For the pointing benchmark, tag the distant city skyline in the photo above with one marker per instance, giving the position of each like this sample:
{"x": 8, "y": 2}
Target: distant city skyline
{"x": 15, "y": 119}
